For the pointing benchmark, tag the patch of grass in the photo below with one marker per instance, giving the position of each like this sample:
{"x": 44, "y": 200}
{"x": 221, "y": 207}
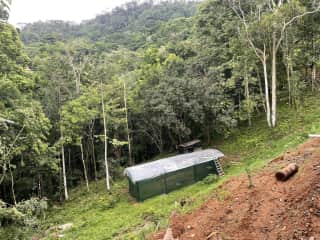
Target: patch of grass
{"x": 258, "y": 144}
{"x": 98, "y": 215}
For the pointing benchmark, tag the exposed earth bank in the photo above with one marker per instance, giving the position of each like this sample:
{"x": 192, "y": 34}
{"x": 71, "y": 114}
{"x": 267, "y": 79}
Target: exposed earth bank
{"x": 269, "y": 210}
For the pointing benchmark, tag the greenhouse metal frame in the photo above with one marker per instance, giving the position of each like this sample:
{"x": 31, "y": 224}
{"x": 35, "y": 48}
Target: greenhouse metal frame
{"x": 166, "y": 175}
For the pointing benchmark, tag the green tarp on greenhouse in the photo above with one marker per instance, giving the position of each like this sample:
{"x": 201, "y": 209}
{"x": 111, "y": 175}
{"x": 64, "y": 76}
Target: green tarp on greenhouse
{"x": 165, "y": 175}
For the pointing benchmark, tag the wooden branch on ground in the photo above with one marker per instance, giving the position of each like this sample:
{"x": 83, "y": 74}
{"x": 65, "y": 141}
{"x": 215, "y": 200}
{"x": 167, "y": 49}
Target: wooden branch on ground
{"x": 314, "y": 135}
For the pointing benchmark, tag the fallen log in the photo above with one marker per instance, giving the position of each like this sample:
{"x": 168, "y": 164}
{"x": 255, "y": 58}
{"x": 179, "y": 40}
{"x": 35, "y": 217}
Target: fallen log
{"x": 314, "y": 135}
{"x": 287, "y": 172}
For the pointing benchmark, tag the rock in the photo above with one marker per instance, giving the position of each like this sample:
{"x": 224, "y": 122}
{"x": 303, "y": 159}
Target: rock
{"x": 65, "y": 227}
{"x": 168, "y": 235}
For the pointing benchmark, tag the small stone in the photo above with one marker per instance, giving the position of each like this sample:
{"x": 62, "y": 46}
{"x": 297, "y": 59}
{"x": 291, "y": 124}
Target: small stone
{"x": 65, "y": 227}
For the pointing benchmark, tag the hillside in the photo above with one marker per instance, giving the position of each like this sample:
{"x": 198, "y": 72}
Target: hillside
{"x": 269, "y": 210}
{"x": 101, "y": 216}
{"x": 130, "y": 26}
{"x": 79, "y": 103}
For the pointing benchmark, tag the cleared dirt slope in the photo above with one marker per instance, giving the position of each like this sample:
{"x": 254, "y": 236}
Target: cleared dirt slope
{"x": 269, "y": 210}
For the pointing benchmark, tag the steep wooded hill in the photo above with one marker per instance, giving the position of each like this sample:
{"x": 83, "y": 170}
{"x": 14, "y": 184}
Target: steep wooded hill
{"x": 130, "y": 26}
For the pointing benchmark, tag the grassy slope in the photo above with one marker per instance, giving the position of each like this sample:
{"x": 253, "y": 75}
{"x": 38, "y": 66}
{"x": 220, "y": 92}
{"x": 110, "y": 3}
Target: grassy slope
{"x": 97, "y": 215}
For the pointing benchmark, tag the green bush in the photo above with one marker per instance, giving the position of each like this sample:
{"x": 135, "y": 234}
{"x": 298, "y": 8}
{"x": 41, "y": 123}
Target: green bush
{"x": 33, "y": 207}
{"x": 212, "y": 178}
{"x": 10, "y": 215}
{"x": 24, "y": 213}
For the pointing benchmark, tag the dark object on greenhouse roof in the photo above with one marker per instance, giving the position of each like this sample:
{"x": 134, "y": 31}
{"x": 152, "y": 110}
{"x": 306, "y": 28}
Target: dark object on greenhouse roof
{"x": 189, "y": 146}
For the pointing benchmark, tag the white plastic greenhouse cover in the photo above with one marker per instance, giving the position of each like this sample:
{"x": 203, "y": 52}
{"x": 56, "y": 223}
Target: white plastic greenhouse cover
{"x": 157, "y": 168}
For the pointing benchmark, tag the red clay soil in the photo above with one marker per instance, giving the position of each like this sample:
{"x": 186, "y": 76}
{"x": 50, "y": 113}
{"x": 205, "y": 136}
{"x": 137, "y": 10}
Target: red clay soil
{"x": 270, "y": 210}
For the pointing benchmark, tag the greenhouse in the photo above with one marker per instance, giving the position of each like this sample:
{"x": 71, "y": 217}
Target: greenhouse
{"x": 165, "y": 175}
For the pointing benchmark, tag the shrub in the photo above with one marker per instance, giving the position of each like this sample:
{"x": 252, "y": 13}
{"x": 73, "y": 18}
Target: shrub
{"x": 25, "y": 213}
{"x": 10, "y": 215}
{"x": 212, "y": 178}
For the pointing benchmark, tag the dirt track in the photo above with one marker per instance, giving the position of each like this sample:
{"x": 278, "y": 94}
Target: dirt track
{"x": 270, "y": 210}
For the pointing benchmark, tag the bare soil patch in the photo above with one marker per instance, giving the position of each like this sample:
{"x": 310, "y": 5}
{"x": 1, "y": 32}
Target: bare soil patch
{"x": 270, "y": 210}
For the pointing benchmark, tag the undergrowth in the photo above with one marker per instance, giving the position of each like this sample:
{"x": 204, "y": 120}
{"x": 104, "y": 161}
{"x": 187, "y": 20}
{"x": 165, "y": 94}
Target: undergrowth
{"x": 97, "y": 215}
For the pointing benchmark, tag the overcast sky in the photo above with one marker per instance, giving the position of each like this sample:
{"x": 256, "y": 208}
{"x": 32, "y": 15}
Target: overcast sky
{"x": 25, "y": 11}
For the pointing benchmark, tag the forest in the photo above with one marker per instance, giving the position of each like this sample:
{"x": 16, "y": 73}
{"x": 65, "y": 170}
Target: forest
{"x": 80, "y": 102}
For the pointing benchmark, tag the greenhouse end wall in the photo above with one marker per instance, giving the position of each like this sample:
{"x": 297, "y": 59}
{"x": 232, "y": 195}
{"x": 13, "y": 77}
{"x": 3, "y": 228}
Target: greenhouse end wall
{"x": 166, "y": 183}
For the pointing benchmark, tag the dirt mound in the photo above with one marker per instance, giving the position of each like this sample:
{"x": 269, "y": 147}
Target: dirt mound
{"x": 269, "y": 210}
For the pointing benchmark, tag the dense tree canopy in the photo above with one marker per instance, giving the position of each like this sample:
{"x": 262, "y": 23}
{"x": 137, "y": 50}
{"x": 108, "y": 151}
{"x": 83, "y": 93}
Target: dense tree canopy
{"x": 25, "y": 152}
{"x": 81, "y": 101}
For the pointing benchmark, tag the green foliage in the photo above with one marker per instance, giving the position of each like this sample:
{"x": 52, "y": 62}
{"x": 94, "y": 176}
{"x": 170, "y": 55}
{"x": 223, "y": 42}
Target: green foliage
{"x": 33, "y": 207}
{"x": 9, "y": 215}
{"x": 165, "y": 74}
{"x": 252, "y": 146}
{"x": 210, "y": 179}
{"x": 128, "y": 26}
{"x": 24, "y": 149}
{"x": 78, "y": 112}
{"x": 25, "y": 213}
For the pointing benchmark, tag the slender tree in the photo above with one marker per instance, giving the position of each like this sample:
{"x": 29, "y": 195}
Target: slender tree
{"x": 64, "y": 175}
{"x": 273, "y": 18}
{"x": 105, "y": 137}
{"x": 127, "y": 122}
{"x": 84, "y": 165}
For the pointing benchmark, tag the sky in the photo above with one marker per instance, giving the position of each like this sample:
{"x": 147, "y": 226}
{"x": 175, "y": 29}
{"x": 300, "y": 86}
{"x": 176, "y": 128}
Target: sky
{"x": 26, "y": 11}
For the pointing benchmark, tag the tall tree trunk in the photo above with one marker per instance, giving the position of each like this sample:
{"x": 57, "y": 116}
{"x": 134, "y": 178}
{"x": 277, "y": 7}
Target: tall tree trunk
{"x": 127, "y": 123}
{"x": 64, "y": 168}
{"x": 91, "y": 136}
{"x": 94, "y": 159}
{"x": 60, "y": 181}
{"x": 69, "y": 160}
{"x": 274, "y": 82}
{"x": 313, "y": 77}
{"x": 208, "y": 134}
{"x": 105, "y": 140}
{"x": 287, "y": 62}
{"x": 289, "y": 83}
{"x": 39, "y": 187}
{"x": 261, "y": 92}
{"x": 62, "y": 152}
{"x": 266, "y": 88}
{"x": 247, "y": 95}
{"x": 12, "y": 186}
{"x": 84, "y": 166}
